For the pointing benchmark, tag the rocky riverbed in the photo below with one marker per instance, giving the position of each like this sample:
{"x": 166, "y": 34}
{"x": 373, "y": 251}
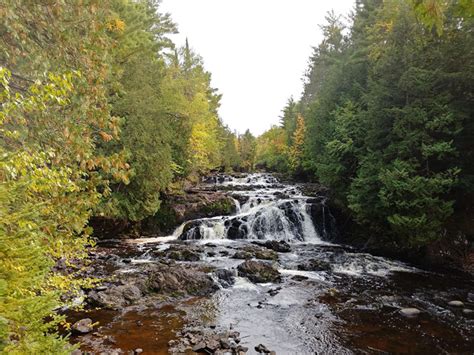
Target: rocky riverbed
{"x": 266, "y": 279}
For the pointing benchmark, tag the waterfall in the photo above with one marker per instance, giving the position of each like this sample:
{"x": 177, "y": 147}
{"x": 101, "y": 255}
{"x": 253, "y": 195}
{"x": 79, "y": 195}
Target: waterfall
{"x": 271, "y": 211}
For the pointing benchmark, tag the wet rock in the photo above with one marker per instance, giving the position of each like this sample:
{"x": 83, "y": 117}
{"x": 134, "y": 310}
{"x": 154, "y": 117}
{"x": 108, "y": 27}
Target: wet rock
{"x": 266, "y": 254}
{"x": 115, "y": 297}
{"x": 242, "y": 254}
{"x": 262, "y": 349}
{"x": 274, "y": 291}
{"x": 201, "y": 347}
{"x": 130, "y": 292}
{"x": 237, "y": 229}
{"x": 468, "y": 312}
{"x": 251, "y": 251}
{"x": 299, "y": 278}
{"x": 226, "y": 277}
{"x": 181, "y": 253}
{"x": 212, "y": 344}
{"x": 279, "y": 246}
{"x": 470, "y": 297}
{"x": 259, "y": 272}
{"x": 314, "y": 265}
{"x": 456, "y": 303}
{"x": 181, "y": 279}
{"x": 83, "y": 326}
{"x": 225, "y": 343}
{"x": 410, "y": 312}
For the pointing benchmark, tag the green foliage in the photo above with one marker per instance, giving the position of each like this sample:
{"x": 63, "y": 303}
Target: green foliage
{"x": 247, "y": 150}
{"x": 272, "y": 150}
{"x": 115, "y": 121}
{"x": 387, "y": 110}
{"x": 45, "y": 204}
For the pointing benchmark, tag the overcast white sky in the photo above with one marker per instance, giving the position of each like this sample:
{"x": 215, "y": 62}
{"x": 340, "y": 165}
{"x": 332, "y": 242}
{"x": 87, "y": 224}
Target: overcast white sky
{"x": 256, "y": 50}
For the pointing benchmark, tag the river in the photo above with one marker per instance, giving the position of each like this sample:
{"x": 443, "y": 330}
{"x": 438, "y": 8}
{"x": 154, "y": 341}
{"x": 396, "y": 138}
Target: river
{"x": 326, "y": 298}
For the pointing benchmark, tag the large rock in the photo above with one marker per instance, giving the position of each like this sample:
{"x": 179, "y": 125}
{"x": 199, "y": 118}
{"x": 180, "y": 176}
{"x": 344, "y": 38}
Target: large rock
{"x": 181, "y": 279}
{"x": 115, "y": 297}
{"x": 259, "y": 272}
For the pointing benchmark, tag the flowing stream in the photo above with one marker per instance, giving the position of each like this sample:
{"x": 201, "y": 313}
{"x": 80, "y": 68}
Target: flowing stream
{"x": 331, "y": 299}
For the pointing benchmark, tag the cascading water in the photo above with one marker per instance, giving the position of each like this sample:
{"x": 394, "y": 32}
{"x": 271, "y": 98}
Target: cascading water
{"x": 270, "y": 211}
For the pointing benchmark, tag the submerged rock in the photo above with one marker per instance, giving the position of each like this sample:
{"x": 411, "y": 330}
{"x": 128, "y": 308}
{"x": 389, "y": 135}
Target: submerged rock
{"x": 456, "y": 303}
{"x": 259, "y": 272}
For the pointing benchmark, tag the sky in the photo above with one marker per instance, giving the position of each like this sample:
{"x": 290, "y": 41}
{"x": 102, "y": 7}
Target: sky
{"x": 256, "y": 50}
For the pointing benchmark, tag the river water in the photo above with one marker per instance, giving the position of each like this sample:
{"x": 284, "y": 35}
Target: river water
{"x": 332, "y": 299}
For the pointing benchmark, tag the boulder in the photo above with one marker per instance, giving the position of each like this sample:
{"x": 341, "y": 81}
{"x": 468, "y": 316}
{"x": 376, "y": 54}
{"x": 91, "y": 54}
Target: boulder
{"x": 181, "y": 279}
{"x": 259, "y": 272}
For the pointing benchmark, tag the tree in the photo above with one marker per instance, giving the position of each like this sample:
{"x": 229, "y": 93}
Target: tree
{"x": 296, "y": 150}
{"x": 247, "y": 150}
{"x": 272, "y": 150}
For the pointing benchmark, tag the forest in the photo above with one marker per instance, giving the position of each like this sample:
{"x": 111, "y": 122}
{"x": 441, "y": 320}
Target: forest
{"x": 102, "y": 115}
{"x": 385, "y": 121}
